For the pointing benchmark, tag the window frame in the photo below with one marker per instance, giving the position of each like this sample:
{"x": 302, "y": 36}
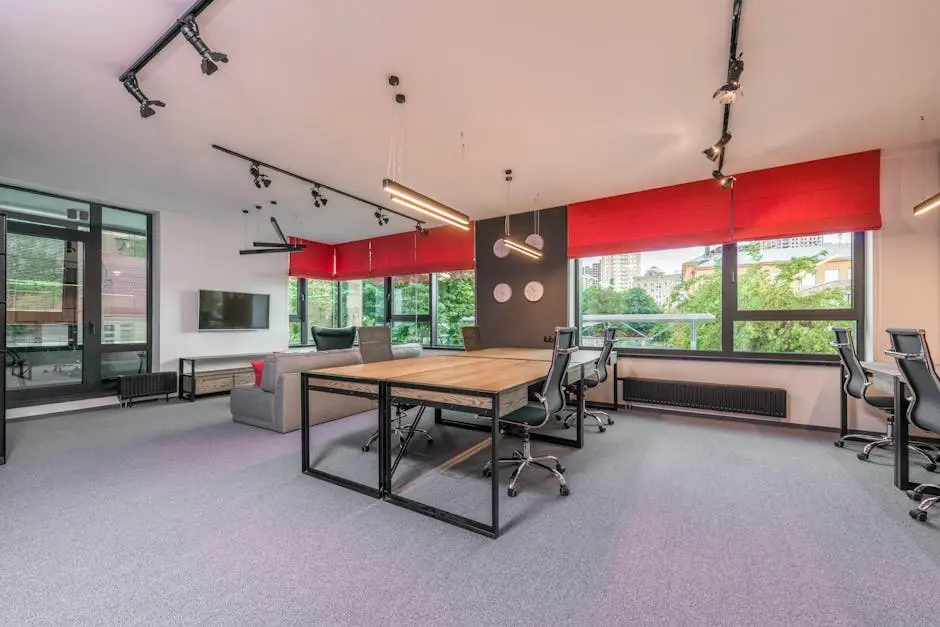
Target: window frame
{"x": 430, "y": 318}
{"x": 730, "y": 313}
{"x": 90, "y": 234}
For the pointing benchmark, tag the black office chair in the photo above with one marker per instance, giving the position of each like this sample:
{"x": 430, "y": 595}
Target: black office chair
{"x": 857, "y": 385}
{"x": 594, "y": 379}
{"x": 375, "y": 344}
{"x": 910, "y": 351}
{"x": 524, "y": 419}
{"x": 328, "y": 339}
{"x": 471, "y": 338}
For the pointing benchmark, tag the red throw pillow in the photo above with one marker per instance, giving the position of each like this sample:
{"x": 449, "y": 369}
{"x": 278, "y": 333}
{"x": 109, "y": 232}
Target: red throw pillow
{"x": 259, "y": 371}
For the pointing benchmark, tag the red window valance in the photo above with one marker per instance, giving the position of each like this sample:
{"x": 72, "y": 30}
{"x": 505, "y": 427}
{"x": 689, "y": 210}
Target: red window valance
{"x": 443, "y": 249}
{"x": 314, "y": 262}
{"x": 824, "y": 196}
{"x": 812, "y": 198}
{"x": 353, "y": 260}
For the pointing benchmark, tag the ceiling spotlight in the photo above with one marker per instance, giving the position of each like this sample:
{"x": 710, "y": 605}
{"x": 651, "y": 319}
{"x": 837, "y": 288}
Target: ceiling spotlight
{"x": 381, "y": 217}
{"x": 714, "y": 151}
{"x": 423, "y": 232}
{"x": 146, "y": 104}
{"x": 728, "y": 93}
{"x": 319, "y": 200}
{"x": 190, "y": 31}
{"x": 260, "y": 179}
{"x": 723, "y": 180}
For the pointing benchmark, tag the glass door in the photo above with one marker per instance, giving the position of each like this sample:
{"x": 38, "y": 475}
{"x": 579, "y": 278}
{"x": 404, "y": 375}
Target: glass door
{"x": 45, "y": 296}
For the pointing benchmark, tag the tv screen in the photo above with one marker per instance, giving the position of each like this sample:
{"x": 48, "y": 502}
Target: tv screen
{"x": 230, "y": 311}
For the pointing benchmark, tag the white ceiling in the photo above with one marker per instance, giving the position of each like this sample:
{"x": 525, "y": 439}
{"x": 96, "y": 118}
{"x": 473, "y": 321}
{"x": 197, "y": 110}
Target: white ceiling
{"x": 582, "y": 100}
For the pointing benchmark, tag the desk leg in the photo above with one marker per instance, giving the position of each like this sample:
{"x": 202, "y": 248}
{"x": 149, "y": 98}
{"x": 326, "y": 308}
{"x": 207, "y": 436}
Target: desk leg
{"x": 180, "y": 382}
{"x": 494, "y": 477}
{"x": 304, "y": 422}
{"x": 385, "y": 439}
{"x": 438, "y": 416}
{"x": 901, "y": 464}
{"x": 843, "y": 405}
{"x": 580, "y": 412}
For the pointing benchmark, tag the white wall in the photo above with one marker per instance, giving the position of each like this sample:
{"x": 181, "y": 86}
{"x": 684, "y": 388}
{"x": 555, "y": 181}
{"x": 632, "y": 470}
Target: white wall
{"x": 904, "y": 291}
{"x": 193, "y": 254}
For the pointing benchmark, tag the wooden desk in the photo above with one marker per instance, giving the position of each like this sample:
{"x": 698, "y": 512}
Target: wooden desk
{"x": 485, "y": 387}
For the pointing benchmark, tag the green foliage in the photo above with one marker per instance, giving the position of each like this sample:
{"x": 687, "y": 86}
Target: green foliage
{"x": 455, "y": 304}
{"x": 760, "y": 287}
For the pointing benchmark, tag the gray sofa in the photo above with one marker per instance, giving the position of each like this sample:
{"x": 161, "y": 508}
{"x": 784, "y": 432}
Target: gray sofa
{"x": 275, "y": 404}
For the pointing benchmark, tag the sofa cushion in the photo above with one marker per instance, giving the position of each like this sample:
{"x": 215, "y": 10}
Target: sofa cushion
{"x": 251, "y": 402}
{"x": 286, "y": 363}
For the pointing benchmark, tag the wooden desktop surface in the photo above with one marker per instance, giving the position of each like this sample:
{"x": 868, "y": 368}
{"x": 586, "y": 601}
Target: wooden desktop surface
{"x": 382, "y": 370}
{"x": 533, "y": 354}
{"x": 484, "y": 375}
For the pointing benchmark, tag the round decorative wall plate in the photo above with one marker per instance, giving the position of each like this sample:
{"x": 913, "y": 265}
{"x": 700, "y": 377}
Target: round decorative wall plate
{"x": 535, "y": 241}
{"x": 502, "y": 293}
{"x": 534, "y": 291}
{"x": 499, "y": 248}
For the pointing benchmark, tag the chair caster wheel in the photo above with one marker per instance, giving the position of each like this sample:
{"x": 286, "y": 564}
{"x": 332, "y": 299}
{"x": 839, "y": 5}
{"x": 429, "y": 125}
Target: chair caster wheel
{"x": 862, "y": 456}
{"x": 930, "y": 467}
{"x": 365, "y": 448}
{"x": 511, "y": 492}
{"x": 566, "y": 425}
{"x": 918, "y": 514}
{"x": 487, "y": 472}
{"x": 560, "y": 468}
{"x": 430, "y": 442}
{"x": 564, "y": 490}
{"x": 610, "y": 421}
{"x": 839, "y": 444}
{"x": 601, "y": 428}
{"x": 914, "y": 496}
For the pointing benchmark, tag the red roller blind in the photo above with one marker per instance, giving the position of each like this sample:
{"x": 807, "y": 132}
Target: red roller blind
{"x": 824, "y": 196}
{"x": 352, "y": 260}
{"x": 394, "y": 254}
{"x": 446, "y": 249}
{"x": 314, "y": 262}
{"x": 668, "y": 217}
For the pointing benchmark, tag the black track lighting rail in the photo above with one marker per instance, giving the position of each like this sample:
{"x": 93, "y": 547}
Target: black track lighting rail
{"x": 168, "y": 36}
{"x": 312, "y": 182}
{"x": 732, "y": 55}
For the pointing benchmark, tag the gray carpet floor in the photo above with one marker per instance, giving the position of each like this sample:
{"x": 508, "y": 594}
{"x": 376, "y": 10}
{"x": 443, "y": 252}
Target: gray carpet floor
{"x": 172, "y": 514}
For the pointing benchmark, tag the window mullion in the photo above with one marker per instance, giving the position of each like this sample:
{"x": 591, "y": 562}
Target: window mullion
{"x": 729, "y": 296}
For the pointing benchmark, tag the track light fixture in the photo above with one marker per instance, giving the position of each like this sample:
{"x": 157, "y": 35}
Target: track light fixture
{"x": 260, "y": 179}
{"x": 319, "y": 200}
{"x": 423, "y": 232}
{"x": 725, "y": 181}
{"x": 382, "y": 219}
{"x": 190, "y": 32}
{"x": 146, "y": 104}
{"x": 729, "y": 92}
{"x": 715, "y": 150}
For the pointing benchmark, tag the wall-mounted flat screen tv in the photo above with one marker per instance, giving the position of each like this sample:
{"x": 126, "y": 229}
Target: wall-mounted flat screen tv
{"x": 232, "y": 311}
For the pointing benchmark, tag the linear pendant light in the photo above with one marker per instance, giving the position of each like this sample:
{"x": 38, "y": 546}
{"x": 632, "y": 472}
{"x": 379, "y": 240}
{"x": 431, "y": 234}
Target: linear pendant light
{"x": 428, "y": 206}
{"x": 522, "y": 248}
{"x": 926, "y": 205}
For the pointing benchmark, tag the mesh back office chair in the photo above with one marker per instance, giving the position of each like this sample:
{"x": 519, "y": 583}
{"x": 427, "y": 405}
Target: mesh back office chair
{"x": 471, "y": 338}
{"x": 596, "y": 378}
{"x": 375, "y": 344}
{"x": 327, "y": 339}
{"x": 524, "y": 419}
{"x": 857, "y": 385}
{"x": 910, "y": 351}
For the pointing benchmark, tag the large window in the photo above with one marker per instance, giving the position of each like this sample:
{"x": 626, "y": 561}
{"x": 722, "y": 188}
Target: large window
{"x": 455, "y": 305}
{"x": 78, "y": 296}
{"x": 310, "y": 302}
{"x": 763, "y": 298}
{"x": 419, "y": 308}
